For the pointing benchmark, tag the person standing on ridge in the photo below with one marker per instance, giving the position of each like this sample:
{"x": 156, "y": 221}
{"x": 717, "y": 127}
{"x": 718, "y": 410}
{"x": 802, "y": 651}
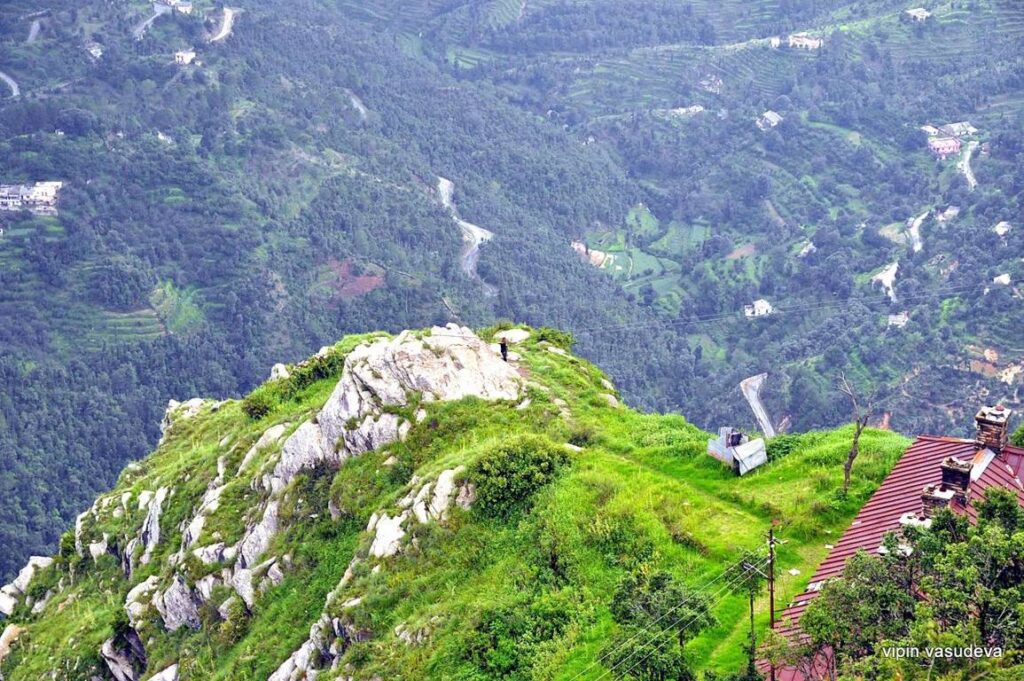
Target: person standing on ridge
{"x": 504, "y": 349}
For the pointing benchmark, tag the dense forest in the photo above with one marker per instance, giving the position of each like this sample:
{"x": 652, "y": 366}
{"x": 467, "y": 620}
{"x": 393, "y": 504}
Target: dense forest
{"x": 281, "y": 190}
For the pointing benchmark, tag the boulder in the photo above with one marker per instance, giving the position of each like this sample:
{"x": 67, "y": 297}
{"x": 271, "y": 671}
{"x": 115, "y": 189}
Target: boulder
{"x": 118, "y": 663}
{"x": 138, "y": 599}
{"x": 389, "y": 535}
{"x": 278, "y": 372}
{"x": 169, "y": 674}
{"x": 177, "y": 606}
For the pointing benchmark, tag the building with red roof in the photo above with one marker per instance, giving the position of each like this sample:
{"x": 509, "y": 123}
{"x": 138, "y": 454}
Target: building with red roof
{"x": 934, "y": 472}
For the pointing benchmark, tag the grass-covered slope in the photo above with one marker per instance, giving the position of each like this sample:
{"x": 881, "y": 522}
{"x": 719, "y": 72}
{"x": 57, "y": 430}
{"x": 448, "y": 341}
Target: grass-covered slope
{"x": 516, "y": 586}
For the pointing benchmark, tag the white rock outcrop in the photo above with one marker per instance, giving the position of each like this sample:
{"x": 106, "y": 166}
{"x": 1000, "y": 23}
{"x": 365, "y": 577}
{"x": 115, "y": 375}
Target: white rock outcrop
{"x": 150, "y": 534}
{"x": 380, "y": 377}
{"x": 169, "y": 674}
{"x": 11, "y": 594}
{"x": 117, "y": 662}
{"x": 138, "y": 600}
{"x": 177, "y": 606}
{"x": 268, "y": 438}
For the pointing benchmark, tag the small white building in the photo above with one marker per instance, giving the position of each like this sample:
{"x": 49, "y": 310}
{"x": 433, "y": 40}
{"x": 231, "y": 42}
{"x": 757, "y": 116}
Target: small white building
{"x": 808, "y": 248}
{"x": 1002, "y": 280}
{"x": 184, "y": 57}
{"x": 775, "y": 42}
{"x": 1002, "y": 228}
{"x": 712, "y": 83}
{"x": 768, "y": 120}
{"x": 918, "y": 14}
{"x": 759, "y": 308}
{"x": 94, "y": 49}
{"x": 899, "y": 320}
{"x": 803, "y": 41}
{"x": 948, "y": 214}
{"x": 735, "y": 450}
{"x": 183, "y": 8}
{"x": 930, "y": 130}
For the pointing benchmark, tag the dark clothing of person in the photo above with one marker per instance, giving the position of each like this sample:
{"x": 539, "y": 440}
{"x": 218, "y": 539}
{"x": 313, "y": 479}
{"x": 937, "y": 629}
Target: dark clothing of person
{"x": 504, "y": 350}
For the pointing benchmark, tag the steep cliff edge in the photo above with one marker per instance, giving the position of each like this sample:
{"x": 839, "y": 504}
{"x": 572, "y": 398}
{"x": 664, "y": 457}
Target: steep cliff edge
{"x": 384, "y": 509}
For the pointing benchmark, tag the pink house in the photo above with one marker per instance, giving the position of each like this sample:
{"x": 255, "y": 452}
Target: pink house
{"x": 944, "y": 146}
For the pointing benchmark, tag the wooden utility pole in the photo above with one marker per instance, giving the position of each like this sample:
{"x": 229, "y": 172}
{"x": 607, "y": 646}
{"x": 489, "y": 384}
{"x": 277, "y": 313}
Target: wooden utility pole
{"x": 771, "y": 588}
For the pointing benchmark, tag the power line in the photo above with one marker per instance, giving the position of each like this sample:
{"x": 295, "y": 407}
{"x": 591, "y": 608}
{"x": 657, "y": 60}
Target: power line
{"x": 714, "y": 600}
{"x": 726, "y": 316}
{"x": 668, "y": 612}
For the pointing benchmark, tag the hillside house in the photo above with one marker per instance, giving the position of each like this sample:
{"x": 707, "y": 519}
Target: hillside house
{"x": 183, "y": 8}
{"x": 948, "y": 214}
{"x": 775, "y": 42}
{"x": 918, "y": 14}
{"x": 934, "y": 473}
{"x": 40, "y": 197}
{"x": 944, "y": 147}
{"x": 898, "y": 320}
{"x": 803, "y": 41}
{"x": 184, "y": 57}
{"x": 94, "y": 49}
{"x": 1002, "y": 228}
{"x": 759, "y": 308}
{"x": 768, "y": 120}
{"x": 712, "y": 83}
{"x": 930, "y": 130}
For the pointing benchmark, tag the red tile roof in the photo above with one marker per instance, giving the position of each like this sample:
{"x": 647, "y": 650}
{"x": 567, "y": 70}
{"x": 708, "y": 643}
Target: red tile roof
{"x": 900, "y": 493}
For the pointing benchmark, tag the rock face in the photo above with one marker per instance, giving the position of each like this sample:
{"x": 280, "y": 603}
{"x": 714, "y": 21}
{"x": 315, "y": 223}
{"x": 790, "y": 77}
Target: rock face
{"x": 177, "y": 606}
{"x": 150, "y": 535}
{"x": 328, "y": 636}
{"x": 379, "y": 377}
{"x": 12, "y": 593}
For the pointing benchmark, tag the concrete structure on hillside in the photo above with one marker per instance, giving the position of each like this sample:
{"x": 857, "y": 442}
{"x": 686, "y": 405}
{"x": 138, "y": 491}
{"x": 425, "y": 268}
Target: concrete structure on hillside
{"x": 184, "y": 57}
{"x": 94, "y": 49}
{"x": 958, "y": 130}
{"x": 775, "y": 42}
{"x": 918, "y": 14}
{"x": 40, "y": 197}
{"x": 948, "y": 214}
{"x": 712, "y": 83}
{"x": 737, "y": 451}
{"x": 934, "y": 473}
{"x": 930, "y": 130}
{"x": 1002, "y": 228}
{"x": 899, "y": 320}
{"x": 803, "y": 41}
{"x": 944, "y": 147}
{"x": 768, "y": 120}
{"x": 759, "y": 308}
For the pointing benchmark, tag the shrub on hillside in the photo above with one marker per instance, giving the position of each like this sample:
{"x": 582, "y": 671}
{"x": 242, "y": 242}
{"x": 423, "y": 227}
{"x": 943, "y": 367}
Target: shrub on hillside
{"x": 562, "y": 339}
{"x": 508, "y": 476}
{"x": 781, "y": 446}
{"x": 257, "y": 404}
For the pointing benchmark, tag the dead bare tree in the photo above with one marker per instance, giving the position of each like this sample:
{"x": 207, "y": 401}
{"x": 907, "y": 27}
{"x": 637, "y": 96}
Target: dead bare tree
{"x": 861, "y": 413}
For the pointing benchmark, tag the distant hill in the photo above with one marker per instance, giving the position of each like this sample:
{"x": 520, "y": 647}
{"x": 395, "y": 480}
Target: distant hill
{"x": 280, "y": 190}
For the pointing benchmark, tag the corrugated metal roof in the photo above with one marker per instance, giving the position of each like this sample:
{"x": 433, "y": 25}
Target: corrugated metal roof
{"x": 898, "y": 494}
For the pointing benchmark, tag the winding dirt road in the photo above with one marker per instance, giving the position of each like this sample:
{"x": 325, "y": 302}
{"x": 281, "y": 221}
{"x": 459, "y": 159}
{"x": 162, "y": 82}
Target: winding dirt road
{"x": 751, "y": 389}
{"x": 226, "y": 25}
{"x": 472, "y": 235}
{"x": 11, "y": 83}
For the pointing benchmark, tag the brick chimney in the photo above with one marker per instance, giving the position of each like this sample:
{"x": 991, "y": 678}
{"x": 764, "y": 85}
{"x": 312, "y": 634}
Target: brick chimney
{"x": 935, "y": 498}
{"x": 956, "y": 476}
{"x": 992, "y": 427}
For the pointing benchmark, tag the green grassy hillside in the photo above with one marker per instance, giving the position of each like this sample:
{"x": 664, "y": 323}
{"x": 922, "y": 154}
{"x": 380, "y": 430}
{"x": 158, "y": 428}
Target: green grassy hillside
{"x": 520, "y": 593}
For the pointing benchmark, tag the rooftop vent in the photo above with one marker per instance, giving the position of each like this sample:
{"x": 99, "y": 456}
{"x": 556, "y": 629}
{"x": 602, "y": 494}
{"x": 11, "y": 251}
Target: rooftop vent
{"x": 992, "y": 427}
